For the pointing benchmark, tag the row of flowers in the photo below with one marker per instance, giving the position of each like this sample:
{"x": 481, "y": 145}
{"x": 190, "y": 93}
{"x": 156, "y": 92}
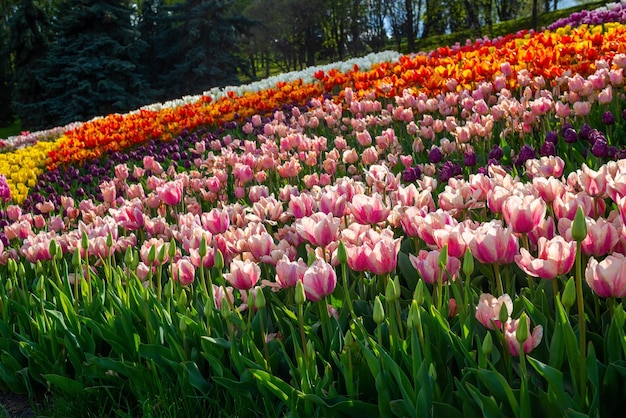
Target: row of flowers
{"x": 543, "y": 54}
{"x": 442, "y": 199}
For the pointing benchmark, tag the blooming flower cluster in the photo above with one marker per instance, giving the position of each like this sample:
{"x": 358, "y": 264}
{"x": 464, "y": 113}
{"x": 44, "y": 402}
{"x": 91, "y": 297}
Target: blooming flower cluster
{"x": 468, "y": 151}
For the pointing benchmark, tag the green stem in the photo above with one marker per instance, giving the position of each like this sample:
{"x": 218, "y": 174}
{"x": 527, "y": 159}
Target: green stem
{"x": 265, "y": 349}
{"x": 496, "y": 270}
{"x": 581, "y": 325}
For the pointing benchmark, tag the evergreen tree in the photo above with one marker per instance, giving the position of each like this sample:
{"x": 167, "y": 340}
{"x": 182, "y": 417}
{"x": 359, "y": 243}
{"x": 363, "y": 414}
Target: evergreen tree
{"x": 28, "y": 44}
{"x": 6, "y": 111}
{"x": 194, "y": 47}
{"x": 91, "y": 67}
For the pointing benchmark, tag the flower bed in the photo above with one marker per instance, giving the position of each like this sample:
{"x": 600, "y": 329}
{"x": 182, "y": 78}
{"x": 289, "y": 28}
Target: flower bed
{"x": 435, "y": 233}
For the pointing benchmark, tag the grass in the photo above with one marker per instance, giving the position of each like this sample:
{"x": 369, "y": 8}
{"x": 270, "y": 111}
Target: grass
{"x": 10, "y": 130}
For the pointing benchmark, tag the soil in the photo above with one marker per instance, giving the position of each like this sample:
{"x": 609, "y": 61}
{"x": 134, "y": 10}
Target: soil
{"x": 15, "y": 406}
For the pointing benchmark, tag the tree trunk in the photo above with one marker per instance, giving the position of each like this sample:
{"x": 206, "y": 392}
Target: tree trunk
{"x": 410, "y": 35}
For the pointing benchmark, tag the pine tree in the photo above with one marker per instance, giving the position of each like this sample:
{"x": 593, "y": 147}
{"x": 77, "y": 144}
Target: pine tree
{"x": 91, "y": 68}
{"x": 194, "y": 46}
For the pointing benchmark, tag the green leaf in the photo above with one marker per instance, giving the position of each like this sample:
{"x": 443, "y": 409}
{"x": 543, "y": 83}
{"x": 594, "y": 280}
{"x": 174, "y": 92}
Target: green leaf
{"x": 65, "y": 384}
{"x": 487, "y": 404}
{"x": 219, "y": 342}
{"x": 498, "y": 386}
{"x": 195, "y": 377}
{"x": 279, "y": 387}
{"x": 556, "y": 394}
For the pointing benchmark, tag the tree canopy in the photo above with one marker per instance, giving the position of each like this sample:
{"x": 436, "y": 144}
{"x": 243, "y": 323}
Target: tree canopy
{"x": 63, "y": 61}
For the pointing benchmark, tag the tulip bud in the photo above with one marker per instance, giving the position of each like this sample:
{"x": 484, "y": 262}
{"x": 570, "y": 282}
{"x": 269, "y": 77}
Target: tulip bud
{"x": 342, "y": 254}
{"x": 128, "y": 256}
{"x": 413, "y": 317}
{"x": 84, "y": 241}
{"x": 168, "y": 289}
{"x": 504, "y": 314}
{"x": 569, "y": 293}
{"x": 11, "y": 266}
{"x": 152, "y": 255}
{"x": 311, "y": 257}
{"x": 225, "y": 309}
{"x": 182, "y": 325}
{"x": 299, "y": 296}
{"x": 390, "y": 292}
{"x": 52, "y": 248}
{"x": 9, "y": 286}
{"x": 419, "y": 293}
{"x": 487, "y": 345}
{"x": 259, "y": 299}
{"x": 76, "y": 258}
{"x": 219, "y": 260}
{"x": 379, "y": 311}
{"x": 521, "y": 334}
{"x": 443, "y": 257}
{"x": 579, "y": 226}
{"x": 161, "y": 256}
{"x": 21, "y": 270}
{"x": 171, "y": 250}
{"x": 468, "y": 263}
{"x": 109, "y": 240}
{"x": 182, "y": 298}
{"x": 202, "y": 248}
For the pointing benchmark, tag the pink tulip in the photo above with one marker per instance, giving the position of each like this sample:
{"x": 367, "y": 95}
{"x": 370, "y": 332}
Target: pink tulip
{"x": 219, "y": 296}
{"x": 601, "y": 237}
{"x": 243, "y": 275}
{"x": 216, "y": 221}
{"x": 319, "y": 280}
{"x": 490, "y": 243}
{"x": 555, "y": 257}
{"x": 608, "y": 277}
{"x": 384, "y": 255}
{"x": 510, "y": 335}
{"x": 261, "y": 245}
{"x": 302, "y": 205}
{"x": 488, "y": 309}
{"x": 523, "y": 214}
{"x": 184, "y": 271}
{"x": 288, "y": 273}
{"x": 452, "y": 236}
{"x": 594, "y": 183}
{"x": 129, "y": 217}
{"x": 427, "y": 264}
{"x": 368, "y": 210}
{"x": 548, "y": 188}
{"x": 171, "y": 193}
{"x": 319, "y": 229}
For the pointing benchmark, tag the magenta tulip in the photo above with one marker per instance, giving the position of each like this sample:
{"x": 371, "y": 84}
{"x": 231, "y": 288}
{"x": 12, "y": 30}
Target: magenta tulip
{"x": 555, "y": 257}
{"x": 319, "y": 280}
{"x": 608, "y": 277}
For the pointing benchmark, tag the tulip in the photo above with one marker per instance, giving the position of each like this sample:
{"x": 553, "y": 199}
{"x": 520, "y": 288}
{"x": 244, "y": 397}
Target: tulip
{"x": 608, "y": 277}
{"x": 319, "y": 280}
{"x": 288, "y": 273}
{"x": 523, "y": 214}
{"x": 368, "y": 210}
{"x": 319, "y": 229}
{"x": 184, "y": 271}
{"x": 510, "y": 334}
{"x": 243, "y": 275}
{"x": 555, "y": 257}
{"x": 490, "y": 243}
{"x": 384, "y": 255}
{"x": 427, "y": 264}
{"x": 488, "y": 309}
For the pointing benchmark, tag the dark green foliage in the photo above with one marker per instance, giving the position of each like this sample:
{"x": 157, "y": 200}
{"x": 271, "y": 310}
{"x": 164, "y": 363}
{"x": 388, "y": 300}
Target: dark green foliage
{"x": 90, "y": 68}
{"x": 29, "y": 31}
{"x": 192, "y": 46}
